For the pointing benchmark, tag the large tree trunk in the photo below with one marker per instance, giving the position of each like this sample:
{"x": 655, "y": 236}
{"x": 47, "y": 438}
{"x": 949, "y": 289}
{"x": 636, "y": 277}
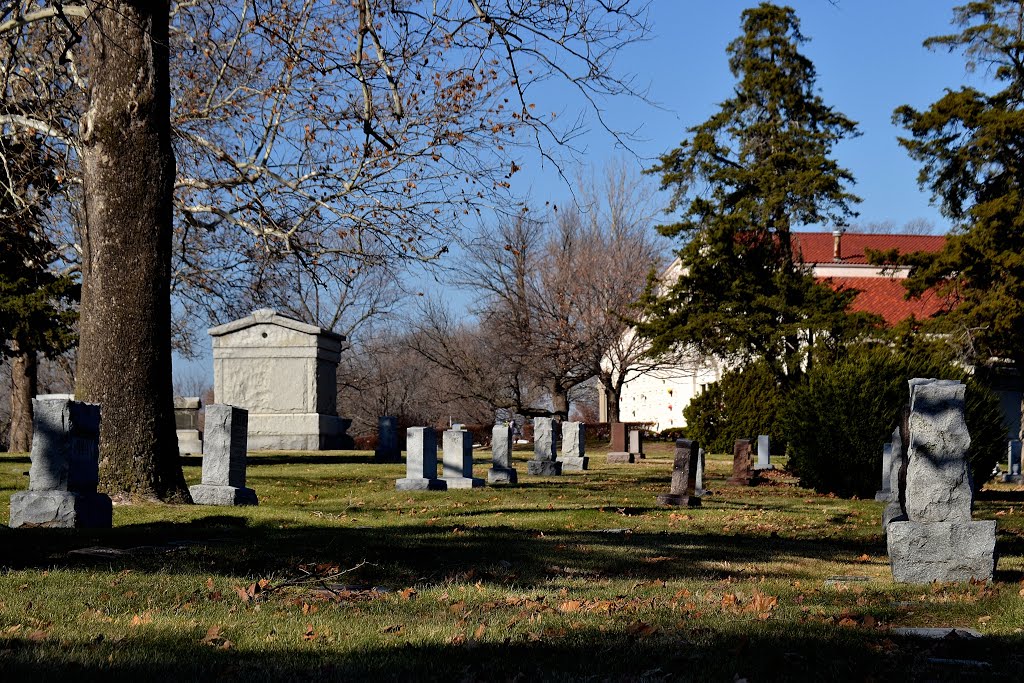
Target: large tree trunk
{"x": 23, "y": 388}
{"x": 559, "y": 401}
{"x": 612, "y": 396}
{"x": 124, "y": 356}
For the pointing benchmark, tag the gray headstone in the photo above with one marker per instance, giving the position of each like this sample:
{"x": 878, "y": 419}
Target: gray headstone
{"x": 764, "y": 456}
{"x": 387, "y": 440}
{"x": 224, "y": 458}
{"x": 636, "y": 443}
{"x": 1013, "y": 469}
{"x": 683, "y": 490}
{"x": 885, "y": 493}
{"x": 574, "y": 447}
{"x": 186, "y": 424}
{"x": 420, "y": 461}
{"x": 545, "y": 441}
{"x": 458, "y": 460}
{"x": 65, "y": 468}
{"x": 502, "y": 471}
{"x": 699, "y": 481}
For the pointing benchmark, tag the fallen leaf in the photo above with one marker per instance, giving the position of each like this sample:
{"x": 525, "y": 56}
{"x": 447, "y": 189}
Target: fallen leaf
{"x": 310, "y": 634}
{"x": 847, "y": 621}
{"x": 869, "y": 621}
{"x": 642, "y": 629}
{"x": 37, "y": 635}
{"x": 407, "y": 593}
{"x": 864, "y": 558}
{"x": 984, "y": 620}
{"x": 394, "y": 628}
{"x": 570, "y": 606}
{"x": 480, "y": 630}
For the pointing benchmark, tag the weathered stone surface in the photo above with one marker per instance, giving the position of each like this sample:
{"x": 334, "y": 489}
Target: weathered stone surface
{"x": 65, "y": 445}
{"x": 420, "y": 461}
{"x": 224, "y": 459}
{"x": 1013, "y": 469}
{"x": 574, "y": 448}
{"x": 458, "y": 460}
{"x": 699, "y": 479}
{"x": 618, "y": 451}
{"x": 545, "y": 441}
{"x": 284, "y": 372}
{"x": 190, "y": 442}
{"x": 621, "y": 457}
{"x": 186, "y": 424}
{"x": 885, "y": 493}
{"x": 938, "y": 481}
{"x": 922, "y": 552}
{"x": 61, "y": 509}
{"x": 742, "y": 464}
{"x": 764, "y": 456}
{"x": 683, "y": 490}
{"x": 421, "y": 484}
{"x": 502, "y": 471}
{"x": 636, "y": 443}
{"x": 543, "y": 468}
{"x": 207, "y": 494}
{"x": 387, "y": 440}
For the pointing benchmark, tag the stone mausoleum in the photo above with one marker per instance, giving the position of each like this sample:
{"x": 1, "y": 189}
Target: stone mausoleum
{"x": 283, "y": 371}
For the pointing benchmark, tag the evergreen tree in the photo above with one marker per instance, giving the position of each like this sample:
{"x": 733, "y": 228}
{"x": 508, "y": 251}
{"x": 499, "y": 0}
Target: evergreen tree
{"x": 743, "y": 181}
{"x": 971, "y": 148}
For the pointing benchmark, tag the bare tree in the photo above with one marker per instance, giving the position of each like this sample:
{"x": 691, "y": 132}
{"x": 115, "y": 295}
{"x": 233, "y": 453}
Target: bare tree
{"x": 915, "y": 226}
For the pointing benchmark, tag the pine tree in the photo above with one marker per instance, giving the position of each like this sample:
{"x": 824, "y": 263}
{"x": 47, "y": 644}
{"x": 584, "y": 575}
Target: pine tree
{"x": 971, "y": 148}
{"x": 743, "y": 181}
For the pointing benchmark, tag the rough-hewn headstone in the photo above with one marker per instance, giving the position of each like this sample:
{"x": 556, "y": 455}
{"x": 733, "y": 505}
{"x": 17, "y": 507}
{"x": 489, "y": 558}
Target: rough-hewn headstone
{"x": 743, "y": 471}
{"x": 545, "y": 449}
{"x": 420, "y": 461}
{"x": 938, "y": 541}
{"x": 458, "y": 460}
{"x": 64, "y": 470}
{"x": 618, "y": 452}
{"x": 186, "y": 424}
{"x": 502, "y": 471}
{"x": 574, "y": 447}
{"x": 764, "y": 453}
{"x": 387, "y": 440}
{"x": 224, "y": 459}
{"x": 1013, "y": 471}
{"x": 636, "y": 444}
{"x": 683, "y": 490}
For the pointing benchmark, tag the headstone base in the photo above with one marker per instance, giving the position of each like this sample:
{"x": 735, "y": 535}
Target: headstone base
{"x": 420, "y": 485}
{"x": 1013, "y": 478}
{"x": 883, "y": 496}
{"x": 544, "y": 468}
{"x": 922, "y": 552}
{"x": 763, "y": 468}
{"x": 497, "y": 475}
{"x": 61, "y": 510}
{"x": 462, "y": 482}
{"x": 189, "y": 442}
{"x": 620, "y": 457}
{"x": 743, "y": 481}
{"x": 387, "y": 456}
{"x": 575, "y": 464}
{"x": 208, "y": 494}
{"x": 679, "y": 500}
{"x": 892, "y": 513}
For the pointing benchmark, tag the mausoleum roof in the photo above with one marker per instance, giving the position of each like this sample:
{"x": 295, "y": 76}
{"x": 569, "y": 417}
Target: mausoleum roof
{"x": 269, "y": 316}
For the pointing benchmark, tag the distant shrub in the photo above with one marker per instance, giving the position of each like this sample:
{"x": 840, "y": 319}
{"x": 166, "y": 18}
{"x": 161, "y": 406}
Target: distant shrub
{"x": 743, "y": 404}
{"x": 838, "y": 419}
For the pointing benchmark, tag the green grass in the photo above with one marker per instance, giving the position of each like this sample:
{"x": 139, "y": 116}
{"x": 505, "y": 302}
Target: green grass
{"x": 576, "y": 577}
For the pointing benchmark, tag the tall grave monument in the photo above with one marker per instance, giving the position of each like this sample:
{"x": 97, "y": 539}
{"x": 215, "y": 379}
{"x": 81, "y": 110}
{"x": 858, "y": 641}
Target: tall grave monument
{"x": 938, "y": 540}
{"x": 284, "y": 372}
{"x": 420, "y": 461}
{"x": 501, "y": 471}
{"x": 224, "y": 461}
{"x": 458, "y": 460}
{"x": 574, "y": 447}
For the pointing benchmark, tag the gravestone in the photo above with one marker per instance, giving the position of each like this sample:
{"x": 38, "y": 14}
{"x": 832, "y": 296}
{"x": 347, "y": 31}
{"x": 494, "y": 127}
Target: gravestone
{"x": 186, "y": 424}
{"x": 683, "y": 490}
{"x": 894, "y": 508}
{"x": 636, "y": 444}
{"x": 699, "y": 483}
{"x": 64, "y": 473}
{"x": 885, "y": 493}
{"x": 618, "y": 452}
{"x": 574, "y": 447}
{"x": 387, "y": 440}
{"x": 743, "y": 471}
{"x": 939, "y": 541}
{"x": 458, "y": 460}
{"x": 284, "y": 372}
{"x": 224, "y": 461}
{"x": 501, "y": 471}
{"x": 1013, "y": 472}
{"x": 545, "y": 447}
{"x": 420, "y": 461}
{"x": 764, "y": 454}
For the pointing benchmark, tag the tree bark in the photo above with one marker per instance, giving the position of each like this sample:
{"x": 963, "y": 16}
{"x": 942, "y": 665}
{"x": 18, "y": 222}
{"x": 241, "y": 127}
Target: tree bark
{"x": 23, "y": 388}
{"x": 124, "y": 356}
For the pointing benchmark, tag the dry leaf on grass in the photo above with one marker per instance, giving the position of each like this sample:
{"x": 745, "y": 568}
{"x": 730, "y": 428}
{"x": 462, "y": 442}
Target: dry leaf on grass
{"x": 407, "y": 593}
{"x": 570, "y": 606}
{"x": 394, "y": 628}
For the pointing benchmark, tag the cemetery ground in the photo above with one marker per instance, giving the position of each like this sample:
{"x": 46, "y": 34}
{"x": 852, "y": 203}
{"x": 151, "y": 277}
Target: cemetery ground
{"x": 336, "y": 575}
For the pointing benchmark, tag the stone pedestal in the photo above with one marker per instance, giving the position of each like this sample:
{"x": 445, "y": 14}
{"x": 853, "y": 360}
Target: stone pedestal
{"x": 502, "y": 471}
{"x": 458, "y": 460}
{"x": 574, "y": 447}
{"x": 742, "y": 464}
{"x": 420, "y": 461}
{"x": 224, "y": 461}
{"x": 636, "y": 445}
{"x": 764, "y": 454}
{"x": 186, "y": 424}
{"x": 618, "y": 452}
{"x": 683, "y": 490}
{"x": 64, "y": 470}
{"x": 1013, "y": 469}
{"x": 545, "y": 448}
{"x": 387, "y": 440}
{"x": 938, "y": 541}
{"x": 885, "y": 493}
{"x": 283, "y": 372}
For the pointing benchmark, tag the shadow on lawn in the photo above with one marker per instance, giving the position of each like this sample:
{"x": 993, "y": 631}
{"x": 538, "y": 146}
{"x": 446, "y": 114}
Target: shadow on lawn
{"x": 617, "y": 651}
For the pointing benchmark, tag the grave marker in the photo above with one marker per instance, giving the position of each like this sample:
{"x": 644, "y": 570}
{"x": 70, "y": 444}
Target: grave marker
{"x": 683, "y": 490}
{"x": 574, "y": 447}
{"x": 618, "y": 452}
{"x": 458, "y": 460}
{"x": 545, "y": 445}
{"x": 224, "y": 461}
{"x": 186, "y": 424}
{"x": 502, "y": 471}
{"x": 420, "y": 461}
{"x": 764, "y": 454}
{"x": 1013, "y": 471}
{"x": 742, "y": 464}
{"x": 387, "y": 440}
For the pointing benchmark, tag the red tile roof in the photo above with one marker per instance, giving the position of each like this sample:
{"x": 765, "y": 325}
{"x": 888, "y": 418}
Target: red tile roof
{"x": 887, "y": 297}
{"x": 817, "y": 247}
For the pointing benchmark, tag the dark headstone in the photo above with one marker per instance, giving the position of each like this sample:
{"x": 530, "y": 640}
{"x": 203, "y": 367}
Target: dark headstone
{"x": 743, "y": 471}
{"x": 387, "y": 440}
{"x": 683, "y": 490}
{"x": 618, "y": 451}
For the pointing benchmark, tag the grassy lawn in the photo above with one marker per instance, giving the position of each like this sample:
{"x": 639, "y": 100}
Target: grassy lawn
{"x": 338, "y": 576}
